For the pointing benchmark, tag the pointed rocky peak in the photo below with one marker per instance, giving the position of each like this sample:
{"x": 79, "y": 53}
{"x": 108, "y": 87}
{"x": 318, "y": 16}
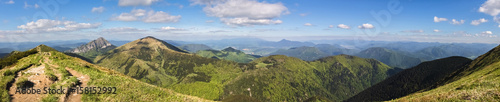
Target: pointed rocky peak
{"x": 97, "y": 44}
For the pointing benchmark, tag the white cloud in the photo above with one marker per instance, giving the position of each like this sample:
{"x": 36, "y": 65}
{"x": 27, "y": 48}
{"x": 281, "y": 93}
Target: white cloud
{"x": 249, "y": 22}
{"x": 308, "y": 24}
{"x": 436, "y": 19}
{"x": 125, "y": 17}
{"x": 121, "y": 29}
{"x": 160, "y": 17}
{"x": 36, "y": 6}
{"x": 436, "y": 30}
{"x": 455, "y": 22}
{"x": 366, "y": 26}
{"x": 479, "y": 21}
{"x": 138, "y": 12}
{"x": 413, "y": 31}
{"x": 10, "y": 2}
{"x": 147, "y": 16}
{"x": 498, "y": 26}
{"x": 343, "y": 26}
{"x": 491, "y": 7}
{"x": 209, "y": 21}
{"x": 136, "y": 2}
{"x": 218, "y": 31}
{"x": 487, "y": 32}
{"x": 97, "y": 9}
{"x": 331, "y": 26}
{"x": 246, "y": 12}
{"x": 303, "y": 14}
{"x": 47, "y": 26}
{"x": 168, "y": 28}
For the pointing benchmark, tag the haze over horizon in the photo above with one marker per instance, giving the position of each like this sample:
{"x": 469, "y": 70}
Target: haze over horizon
{"x": 460, "y": 21}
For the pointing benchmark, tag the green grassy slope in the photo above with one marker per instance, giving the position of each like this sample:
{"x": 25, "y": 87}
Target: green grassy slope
{"x": 57, "y": 64}
{"x": 281, "y": 78}
{"x": 273, "y": 78}
{"x": 154, "y": 61}
{"x": 227, "y": 54}
{"x": 419, "y": 78}
{"x": 478, "y": 81}
{"x": 93, "y": 53}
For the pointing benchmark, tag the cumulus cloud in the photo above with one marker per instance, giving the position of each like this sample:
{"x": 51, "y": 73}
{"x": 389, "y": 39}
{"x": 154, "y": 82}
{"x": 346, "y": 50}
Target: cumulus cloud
{"x": 308, "y": 24}
{"x": 97, "y": 9}
{"x": 491, "y": 7}
{"x": 436, "y": 30}
{"x": 366, "y": 26}
{"x": 456, "y": 22}
{"x": 168, "y": 28}
{"x": 147, "y": 16}
{"x": 249, "y": 22}
{"x": 121, "y": 29}
{"x": 10, "y": 2}
{"x": 437, "y": 19}
{"x": 47, "y": 26}
{"x": 209, "y": 21}
{"x": 343, "y": 26}
{"x": 245, "y": 12}
{"x": 487, "y": 32}
{"x": 160, "y": 17}
{"x": 413, "y": 31}
{"x": 136, "y": 2}
{"x": 479, "y": 21}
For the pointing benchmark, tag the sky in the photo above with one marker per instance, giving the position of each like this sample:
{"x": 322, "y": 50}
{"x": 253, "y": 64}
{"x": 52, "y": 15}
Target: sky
{"x": 463, "y": 21}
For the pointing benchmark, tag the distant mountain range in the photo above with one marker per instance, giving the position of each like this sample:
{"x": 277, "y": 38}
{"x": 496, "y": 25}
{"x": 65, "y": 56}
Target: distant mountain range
{"x": 390, "y": 57}
{"x": 193, "y": 48}
{"x": 304, "y": 53}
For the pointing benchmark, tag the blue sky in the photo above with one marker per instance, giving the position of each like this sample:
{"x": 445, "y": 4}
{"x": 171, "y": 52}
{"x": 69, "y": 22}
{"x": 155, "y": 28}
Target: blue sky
{"x": 303, "y": 20}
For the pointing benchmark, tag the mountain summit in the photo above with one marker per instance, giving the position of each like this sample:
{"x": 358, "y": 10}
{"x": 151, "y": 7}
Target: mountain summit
{"x": 93, "y": 48}
{"x": 99, "y": 43}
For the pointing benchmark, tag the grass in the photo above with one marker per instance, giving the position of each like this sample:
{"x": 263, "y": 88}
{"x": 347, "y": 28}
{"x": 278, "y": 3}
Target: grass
{"x": 7, "y": 75}
{"x": 22, "y": 82}
{"x": 128, "y": 89}
{"x": 482, "y": 85}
